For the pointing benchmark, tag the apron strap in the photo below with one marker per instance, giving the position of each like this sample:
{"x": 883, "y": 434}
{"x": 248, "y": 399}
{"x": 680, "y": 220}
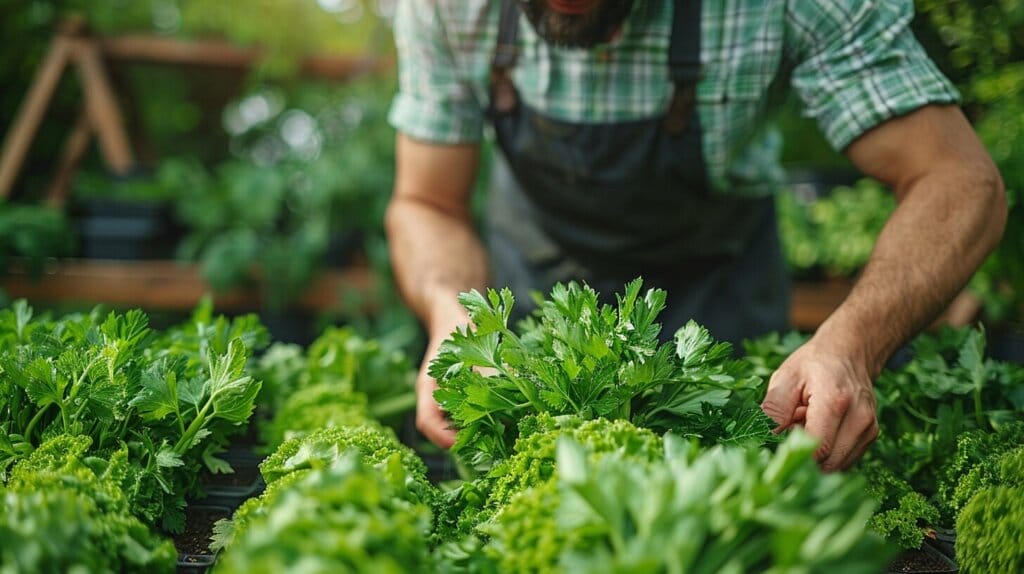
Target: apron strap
{"x": 684, "y": 63}
{"x": 503, "y": 93}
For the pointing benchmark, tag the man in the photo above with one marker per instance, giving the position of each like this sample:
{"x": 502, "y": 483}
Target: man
{"x": 631, "y": 144}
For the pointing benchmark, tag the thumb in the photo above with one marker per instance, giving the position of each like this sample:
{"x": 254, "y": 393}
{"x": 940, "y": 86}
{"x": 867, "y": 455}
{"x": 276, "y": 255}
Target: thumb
{"x": 782, "y": 400}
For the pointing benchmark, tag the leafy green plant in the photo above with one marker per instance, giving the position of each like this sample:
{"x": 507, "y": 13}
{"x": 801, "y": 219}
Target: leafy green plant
{"x": 341, "y": 379}
{"x": 348, "y": 517}
{"x": 766, "y": 354}
{"x": 835, "y": 233}
{"x": 948, "y": 388}
{"x": 724, "y": 509}
{"x": 903, "y": 514}
{"x": 173, "y": 400}
{"x": 977, "y": 465}
{"x": 320, "y": 164}
{"x": 60, "y": 514}
{"x": 313, "y": 408}
{"x": 989, "y": 531}
{"x": 461, "y": 511}
{"x": 321, "y": 448}
{"x": 575, "y": 357}
{"x": 33, "y": 233}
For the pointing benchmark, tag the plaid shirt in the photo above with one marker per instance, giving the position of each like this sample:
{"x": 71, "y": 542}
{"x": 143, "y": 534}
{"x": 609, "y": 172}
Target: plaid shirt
{"x": 853, "y": 64}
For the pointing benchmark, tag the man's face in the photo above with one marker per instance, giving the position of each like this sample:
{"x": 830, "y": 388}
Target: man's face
{"x": 576, "y": 23}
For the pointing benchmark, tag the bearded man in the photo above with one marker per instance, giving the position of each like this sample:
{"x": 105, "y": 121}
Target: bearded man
{"x": 630, "y": 142}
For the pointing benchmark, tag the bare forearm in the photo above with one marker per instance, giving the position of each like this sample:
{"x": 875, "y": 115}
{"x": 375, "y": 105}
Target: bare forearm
{"x": 436, "y": 255}
{"x": 946, "y": 224}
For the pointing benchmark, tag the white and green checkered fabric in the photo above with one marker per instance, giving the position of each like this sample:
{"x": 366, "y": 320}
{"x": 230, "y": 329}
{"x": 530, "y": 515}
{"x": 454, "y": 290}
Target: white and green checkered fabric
{"x": 853, "y": 63}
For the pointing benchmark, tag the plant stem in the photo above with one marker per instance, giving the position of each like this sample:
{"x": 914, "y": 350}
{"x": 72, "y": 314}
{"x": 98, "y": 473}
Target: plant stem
{"x": 393, "y": 405}
{"x": 193, "y": 428}
{"x": 32, "y": 423}
{"x": 978, "y": 413}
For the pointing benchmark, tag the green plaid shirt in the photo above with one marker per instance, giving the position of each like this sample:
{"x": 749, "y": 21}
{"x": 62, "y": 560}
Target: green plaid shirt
{"x": 853, "y": 64}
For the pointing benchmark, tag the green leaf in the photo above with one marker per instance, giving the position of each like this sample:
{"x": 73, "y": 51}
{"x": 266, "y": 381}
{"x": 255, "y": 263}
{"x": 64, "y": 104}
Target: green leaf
{"x": 489, "y": 315}
{"x": 214, "y": 464}
{"x": 22, "y": 317}
{"x": 192, "y": 391}
{"x": 232, "y": 393}
{"x": 158, "y": 396}
{"x": 167, "y": 458}
{"x": 44, "y": 385}
{"x": 692, "y": 341}
{"x": 572, "y": 461}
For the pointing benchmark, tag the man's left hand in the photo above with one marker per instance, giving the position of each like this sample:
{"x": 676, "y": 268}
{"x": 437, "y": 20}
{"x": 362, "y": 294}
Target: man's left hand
{"x": 831, "y": 396}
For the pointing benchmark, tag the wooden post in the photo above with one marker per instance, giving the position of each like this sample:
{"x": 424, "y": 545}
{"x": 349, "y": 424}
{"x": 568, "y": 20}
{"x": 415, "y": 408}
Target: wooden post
{"x": 26, "y": 122}
{"x": 75, "y": 146}
{"x": 104, "y": 114}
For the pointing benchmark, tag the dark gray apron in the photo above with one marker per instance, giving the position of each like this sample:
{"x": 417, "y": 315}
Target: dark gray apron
{"x": 605, "y": 203}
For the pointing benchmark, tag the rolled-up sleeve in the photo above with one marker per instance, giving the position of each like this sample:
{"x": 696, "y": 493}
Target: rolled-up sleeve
{"x": 857, "y": 64}
{"x": 435, "y": 102}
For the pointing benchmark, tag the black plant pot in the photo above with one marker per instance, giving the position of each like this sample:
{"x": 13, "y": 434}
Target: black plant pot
{"x": 231, "y": 490}
{"x": 125, "y": 230}
{"x": 194, "y": 554}
{"x": 1007, "y": 346}
{"x": 944, "y": 541}
{"x": 924, "y": 560}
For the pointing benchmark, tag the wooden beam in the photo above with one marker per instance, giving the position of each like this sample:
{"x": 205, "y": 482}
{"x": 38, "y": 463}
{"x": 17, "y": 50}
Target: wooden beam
{"x": 166, "y": 285}
{"x": 812, "y": 303}
{"x": 101, "y": 105}
{"x": 222, "y": 54}
{"x": 30, "y": 115}
{"x": 75, "y": 146}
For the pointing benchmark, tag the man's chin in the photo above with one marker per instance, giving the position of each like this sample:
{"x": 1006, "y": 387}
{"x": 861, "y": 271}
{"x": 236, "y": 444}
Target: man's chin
{"x": 576, "y": 23}
{"x": 572, "y": 7}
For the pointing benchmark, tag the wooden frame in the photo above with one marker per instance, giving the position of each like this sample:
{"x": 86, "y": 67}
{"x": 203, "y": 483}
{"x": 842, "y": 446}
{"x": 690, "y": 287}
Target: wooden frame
{"x": 168, "y": 285}
{"x": 74, "y": 46}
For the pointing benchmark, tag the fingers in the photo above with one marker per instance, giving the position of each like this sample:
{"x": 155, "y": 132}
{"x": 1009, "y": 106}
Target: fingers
{"x": 844, "y": 424}
{"x": 783, "y": 402}
{"x": 825, "y": 414}
{"x": 430, "y": 418}
{"x": 430, "y": 421}
{"x": 799, "y": 416}
{"x": 856, "y": 432}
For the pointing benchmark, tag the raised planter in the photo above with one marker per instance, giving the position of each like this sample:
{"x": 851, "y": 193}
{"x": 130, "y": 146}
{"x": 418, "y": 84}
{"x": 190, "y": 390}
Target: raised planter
{"x": 925, "y": 560}
{"x": 193, "y": 544}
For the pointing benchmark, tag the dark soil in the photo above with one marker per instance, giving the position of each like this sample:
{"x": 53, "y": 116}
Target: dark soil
{"x": 198, "y": 528}
{"x": 243, "y": 476}
{"x": 918, "y": 561}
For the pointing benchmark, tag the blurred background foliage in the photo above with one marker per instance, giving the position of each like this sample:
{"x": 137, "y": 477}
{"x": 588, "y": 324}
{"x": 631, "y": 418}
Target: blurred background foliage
{"x": 273, "y": 170}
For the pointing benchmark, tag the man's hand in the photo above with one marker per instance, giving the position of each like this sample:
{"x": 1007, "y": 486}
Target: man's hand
{"x": 951, "y": 214}
{"x": 446, "y": 316}
{"x": 430, "y": 419}
{"x": 829, "y": 395}
{"x": 435, "y": 251}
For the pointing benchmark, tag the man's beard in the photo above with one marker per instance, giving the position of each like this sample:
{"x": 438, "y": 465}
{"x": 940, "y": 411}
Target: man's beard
{"x": 577, "y": 30}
